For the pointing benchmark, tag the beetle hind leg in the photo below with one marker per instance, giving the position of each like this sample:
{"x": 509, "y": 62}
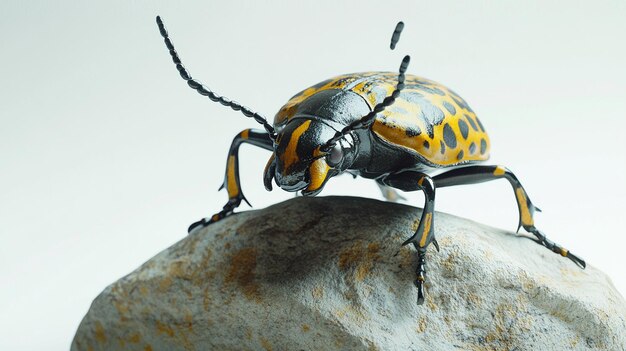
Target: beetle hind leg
{"x": 231, "y": 179}
{"x": 480, "y": 174}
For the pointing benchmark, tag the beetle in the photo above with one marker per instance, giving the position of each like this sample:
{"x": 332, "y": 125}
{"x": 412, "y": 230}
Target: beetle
{"x": 394, "y": 128}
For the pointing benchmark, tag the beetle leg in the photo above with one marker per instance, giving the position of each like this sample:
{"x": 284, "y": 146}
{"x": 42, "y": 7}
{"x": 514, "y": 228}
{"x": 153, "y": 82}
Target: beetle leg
{"x": 479, "y": 174}
{"x": 231, "y": 178}
{"x": 425, "y": 233}
{"x": 389, "y": 193}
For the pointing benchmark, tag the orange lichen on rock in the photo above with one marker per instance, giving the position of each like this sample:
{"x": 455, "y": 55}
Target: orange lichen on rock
{"x": 164, "y": 329}
{"x": 266, "y": 344}
{"x": 99, "y": 333}
{"x": 360, "y": 258}
{"x": 122, "y": 309}
{"x": 241, "y": 272}
{"x": 189, "y": 321}
{"x": 318, "y": 292}
{"x": 134, "y": 338}
{"x": 165, "y": 284}
{"x": 421, "y": 325}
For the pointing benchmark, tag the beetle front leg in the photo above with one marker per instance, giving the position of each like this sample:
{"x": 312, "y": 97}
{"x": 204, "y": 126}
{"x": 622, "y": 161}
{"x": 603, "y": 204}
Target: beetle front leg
{"x": 425, "y": 233}
{"x": 231, "y": 178}
{"x": 479, "y": 174}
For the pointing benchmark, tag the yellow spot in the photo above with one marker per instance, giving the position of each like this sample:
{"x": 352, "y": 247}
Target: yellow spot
{"x": 290, "y": 156}
{"x": 499, "y": 171}
{"x": 527, "y": 218}
{"x": 419, "y": 182}
{"x": 245, "y": 134}
{"x": 215, "y": 217}
{"x": 305, "y": 328}
{"x": 147, "y": 348}
{"x": 427, "y": 223}
{"x": 563, "y": 252}
{"x": 317, "y": 152}
{"x": 231, "y": 180}
{"x": 317, "y": 172}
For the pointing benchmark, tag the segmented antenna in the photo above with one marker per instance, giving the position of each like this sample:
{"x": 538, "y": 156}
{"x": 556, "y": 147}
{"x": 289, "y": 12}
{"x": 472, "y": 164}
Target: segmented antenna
{"x": 205, "y": 91}
{"x": 396, "y": 35}
{"x": 367, "y": 120}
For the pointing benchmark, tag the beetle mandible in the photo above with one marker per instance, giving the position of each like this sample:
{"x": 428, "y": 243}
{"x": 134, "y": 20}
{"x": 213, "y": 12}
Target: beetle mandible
{"x": 392, "y": 128}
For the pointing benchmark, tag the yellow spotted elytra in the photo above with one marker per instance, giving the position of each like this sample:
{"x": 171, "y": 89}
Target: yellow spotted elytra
{"x": 394, "y": 128}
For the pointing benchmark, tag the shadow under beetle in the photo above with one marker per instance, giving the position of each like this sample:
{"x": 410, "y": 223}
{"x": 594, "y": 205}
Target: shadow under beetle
{"x": 393, "y": 128}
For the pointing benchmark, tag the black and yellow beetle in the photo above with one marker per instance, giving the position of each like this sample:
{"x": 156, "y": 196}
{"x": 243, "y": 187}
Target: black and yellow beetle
{"x": 393, "y": 128}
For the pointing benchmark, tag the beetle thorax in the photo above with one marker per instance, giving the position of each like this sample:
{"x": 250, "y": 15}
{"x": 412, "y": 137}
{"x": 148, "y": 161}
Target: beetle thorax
{"x": 300, "y": 164}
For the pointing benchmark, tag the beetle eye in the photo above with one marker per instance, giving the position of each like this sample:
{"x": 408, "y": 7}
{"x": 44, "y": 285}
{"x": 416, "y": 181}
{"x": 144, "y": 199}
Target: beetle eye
{"x": 335, "y": 156}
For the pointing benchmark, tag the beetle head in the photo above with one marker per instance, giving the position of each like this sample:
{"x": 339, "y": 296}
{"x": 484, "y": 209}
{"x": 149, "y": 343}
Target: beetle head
{"x": 299, "y": 164}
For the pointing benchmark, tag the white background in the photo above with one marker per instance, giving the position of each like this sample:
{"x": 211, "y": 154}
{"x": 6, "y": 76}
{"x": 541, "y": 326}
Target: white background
{"x": 106, "y": 156}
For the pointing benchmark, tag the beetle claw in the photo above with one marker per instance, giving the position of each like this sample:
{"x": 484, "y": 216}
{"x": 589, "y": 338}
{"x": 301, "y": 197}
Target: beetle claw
{"x": 410, "y": 240}
{"x": 436, "y": 244}
{"x": 419, "y": 284}
{"x": 246, "y": 200}
{"x": 579, "y": 262}
{"x": 199, "y": 223}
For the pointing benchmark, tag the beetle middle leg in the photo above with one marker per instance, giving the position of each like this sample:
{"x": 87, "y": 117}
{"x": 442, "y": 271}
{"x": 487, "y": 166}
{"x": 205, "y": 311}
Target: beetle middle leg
{"x": 479, "y": 174}
{"x": 231, "y": 178}
{"x": 389, "y": 193}
{"x": 425, "y": 234}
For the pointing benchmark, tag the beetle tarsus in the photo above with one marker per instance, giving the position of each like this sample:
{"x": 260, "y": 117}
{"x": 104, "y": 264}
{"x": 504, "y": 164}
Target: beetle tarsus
{"x": 420, "y": 271}
{"x": 543, "y": 240}
{"x": 225, "y": 212}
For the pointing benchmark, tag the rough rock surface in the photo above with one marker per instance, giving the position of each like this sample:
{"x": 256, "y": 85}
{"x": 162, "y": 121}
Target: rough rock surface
{"x": 309, "y": 274}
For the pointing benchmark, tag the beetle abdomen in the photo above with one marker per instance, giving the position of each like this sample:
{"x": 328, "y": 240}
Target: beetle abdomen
{"x": 427, "y": 118}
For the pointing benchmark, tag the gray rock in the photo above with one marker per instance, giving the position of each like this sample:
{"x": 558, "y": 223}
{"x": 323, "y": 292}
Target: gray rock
{"x": 329, "y": 273}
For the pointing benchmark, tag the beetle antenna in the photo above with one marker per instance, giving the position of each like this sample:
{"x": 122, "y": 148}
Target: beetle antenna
{"x": 396, "y": 35}
{"x": 205, "y": 91}
{"x": 367, "y": 120}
